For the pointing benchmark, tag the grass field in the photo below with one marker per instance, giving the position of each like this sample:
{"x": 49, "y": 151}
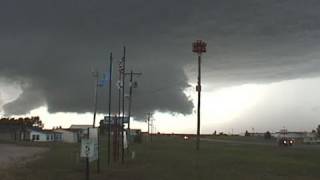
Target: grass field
{"x": 173, "y": 158}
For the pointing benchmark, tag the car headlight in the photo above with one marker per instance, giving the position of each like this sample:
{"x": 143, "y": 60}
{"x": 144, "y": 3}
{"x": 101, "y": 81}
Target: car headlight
{"x": 285, "y": 142}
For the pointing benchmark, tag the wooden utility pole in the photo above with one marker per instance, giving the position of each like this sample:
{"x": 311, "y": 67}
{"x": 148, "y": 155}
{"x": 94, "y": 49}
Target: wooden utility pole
{"x": 132, "y": 85}
{"x": 109, "y": 108}
{"x": 123, "y": 110}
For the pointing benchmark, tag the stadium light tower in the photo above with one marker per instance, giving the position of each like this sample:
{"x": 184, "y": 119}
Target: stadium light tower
{"x": 199, "y": 47}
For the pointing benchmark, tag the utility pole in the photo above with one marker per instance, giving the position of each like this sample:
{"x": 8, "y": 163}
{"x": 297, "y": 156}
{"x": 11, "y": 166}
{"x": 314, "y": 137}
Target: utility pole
{"x": 123, "y": 113}
{"x": 148, "y": 121}
{"x": 151, "y": 129}
{"x": 96, "y": 76}
{"x": 120, "y": 85}
{"x": 199, "y": 47}
{"x": 132, "y": 85}
{"x": 109, "y": 107}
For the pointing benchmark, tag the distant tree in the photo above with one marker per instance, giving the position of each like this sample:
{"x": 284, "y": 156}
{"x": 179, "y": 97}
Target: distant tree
{"x": 215, "y": 133}
{"x": 267, "y": 135}
{"x": 23, "y": 122}
{"x": 314, "y": 131}
{"x": 246, "y": 133}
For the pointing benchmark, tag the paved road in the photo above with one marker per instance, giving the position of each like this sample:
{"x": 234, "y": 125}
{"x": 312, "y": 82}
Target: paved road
{"x": 12, "y": 154}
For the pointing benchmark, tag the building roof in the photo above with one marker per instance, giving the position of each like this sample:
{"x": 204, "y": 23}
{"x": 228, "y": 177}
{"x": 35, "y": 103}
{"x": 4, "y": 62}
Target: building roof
{"x": 80, "y": 126}
{"x": 44, "y": 131}
{"x": 62, "y": 130}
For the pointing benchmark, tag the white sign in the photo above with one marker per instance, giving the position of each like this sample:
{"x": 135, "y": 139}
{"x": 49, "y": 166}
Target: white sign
{"x": 89, "y": 147}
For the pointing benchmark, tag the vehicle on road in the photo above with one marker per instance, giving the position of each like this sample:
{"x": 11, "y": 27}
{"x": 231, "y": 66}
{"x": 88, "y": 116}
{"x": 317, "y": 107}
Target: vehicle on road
{"x": 285, "y": 141}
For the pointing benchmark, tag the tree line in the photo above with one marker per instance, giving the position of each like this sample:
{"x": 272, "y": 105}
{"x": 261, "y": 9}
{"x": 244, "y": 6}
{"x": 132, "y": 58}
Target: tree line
{"x": 33, "y": 121}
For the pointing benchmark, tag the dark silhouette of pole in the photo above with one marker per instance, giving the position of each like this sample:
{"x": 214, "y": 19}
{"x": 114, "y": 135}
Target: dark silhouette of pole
{"x": 130, "y": 94}
{"x": 98, "y": 160}
{"x": 123, "y": 110}
{"x": 199, "y": 101}
{"x": 109, "y": 106}
{"x": 199, "y": 47}
{"x": 151, "y": 129}
{"x": 148, "y": 121}
{"x": 96, "y": 75}
{"x": 119, "y": 107}
{"x": 87, "y": 162}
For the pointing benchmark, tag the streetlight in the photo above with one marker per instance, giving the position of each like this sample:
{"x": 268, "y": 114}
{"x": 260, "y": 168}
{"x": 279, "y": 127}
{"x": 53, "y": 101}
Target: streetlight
{"x": 199, "y": 47}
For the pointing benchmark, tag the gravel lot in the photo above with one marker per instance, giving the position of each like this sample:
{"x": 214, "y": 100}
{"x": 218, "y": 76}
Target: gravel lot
{"x": 12, "y": 154}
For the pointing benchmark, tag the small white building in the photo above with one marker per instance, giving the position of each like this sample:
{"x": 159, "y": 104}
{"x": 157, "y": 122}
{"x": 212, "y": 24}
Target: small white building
{"x": 68, "y": 136}
{"x": 43, "y": 135}
{"x": 80, "y": 129}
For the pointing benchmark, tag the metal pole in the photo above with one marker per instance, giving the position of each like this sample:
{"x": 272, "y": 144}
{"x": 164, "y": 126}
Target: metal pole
{"x": 123, "y": 113}
{"x": 149, "y": 124}
{"x": 151, "y": 132}
{"x": 87, "y": 163}
{"x": 87, "y": 169}
{"x": 199, "y": 100}
{"x": 98, "y": 160}
{"x": 119, "y": 109}
{"x": 96, "y": 75}
{"x": 130, "y": 102}
{"x": 109, "y": 120}
{"x": 94, "y": 115}
{"x": 129, "y": 112}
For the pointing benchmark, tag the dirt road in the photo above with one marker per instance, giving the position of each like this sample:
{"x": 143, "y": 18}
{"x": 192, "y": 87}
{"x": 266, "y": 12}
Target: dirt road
{"x": 13, "y": 154}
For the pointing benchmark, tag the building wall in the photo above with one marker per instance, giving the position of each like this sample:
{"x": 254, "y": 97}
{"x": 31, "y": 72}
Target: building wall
{"x": 41, "y": 137}
{"x": 68, "y": 136}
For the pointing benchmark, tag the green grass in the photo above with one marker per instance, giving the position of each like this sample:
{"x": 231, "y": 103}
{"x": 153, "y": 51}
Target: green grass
{"x": 173, "y": 158}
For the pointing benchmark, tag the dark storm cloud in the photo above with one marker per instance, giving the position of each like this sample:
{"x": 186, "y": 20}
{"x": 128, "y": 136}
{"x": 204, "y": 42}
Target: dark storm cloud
{"x": 53, "y": 45}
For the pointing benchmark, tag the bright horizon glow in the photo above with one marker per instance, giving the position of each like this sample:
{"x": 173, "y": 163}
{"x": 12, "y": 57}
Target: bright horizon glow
{"x": 233, "y": 109}
{"x": 218, "y": 107}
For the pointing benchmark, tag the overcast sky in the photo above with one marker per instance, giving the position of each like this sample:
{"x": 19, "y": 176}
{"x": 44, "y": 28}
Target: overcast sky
{"x": 48, "y": 49}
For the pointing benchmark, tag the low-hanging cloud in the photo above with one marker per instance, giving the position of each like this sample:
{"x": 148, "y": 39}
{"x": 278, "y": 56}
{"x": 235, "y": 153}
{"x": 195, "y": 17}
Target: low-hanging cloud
{"x": 52, "y": 46}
